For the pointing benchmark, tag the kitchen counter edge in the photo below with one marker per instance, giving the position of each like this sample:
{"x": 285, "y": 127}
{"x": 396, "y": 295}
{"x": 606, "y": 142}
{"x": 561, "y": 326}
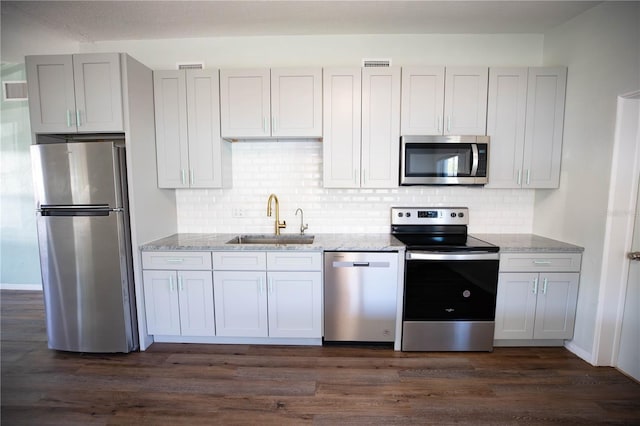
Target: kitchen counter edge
{"x": 515, "y": 243}
{"x": 322, "y": 242}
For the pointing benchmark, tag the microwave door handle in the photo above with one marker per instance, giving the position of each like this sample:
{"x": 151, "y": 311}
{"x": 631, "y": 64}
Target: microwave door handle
{"x": 474, "y": 164}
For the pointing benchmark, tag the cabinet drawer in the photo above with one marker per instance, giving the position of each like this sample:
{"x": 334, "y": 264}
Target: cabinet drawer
{"x": 290, "y": 261}
{"x": 239, "y": 260}
{"x": 176, "y": 260}
{"x": 525, "y": 262}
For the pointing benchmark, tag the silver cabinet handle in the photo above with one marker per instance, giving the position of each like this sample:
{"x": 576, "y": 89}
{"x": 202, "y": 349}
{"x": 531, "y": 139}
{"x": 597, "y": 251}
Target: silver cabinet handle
{"x": 192, "y": 177}
{"x": 68, "y": 118}
{"x": 542, "y": 262}
{"x": 544, "y": 286}
{"x": 264, "y": 124}
{"x": 273, "y": 124}
{"x": 171, "y": 283}
{"x": 175, "y": 260}
{"x": 439, "y": 124}
{"x": 78, "y": 122}
{"x": 519, "y": 177}
{"x": 528, "y": 176}
{"x": 183, "y": 176}
{"x": 535, "y": 286}
{"x": 448, "y": 124}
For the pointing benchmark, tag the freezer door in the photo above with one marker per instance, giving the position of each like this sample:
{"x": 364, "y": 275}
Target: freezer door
{"x": 79, "y": 173}
{"x": 86, "y": 285}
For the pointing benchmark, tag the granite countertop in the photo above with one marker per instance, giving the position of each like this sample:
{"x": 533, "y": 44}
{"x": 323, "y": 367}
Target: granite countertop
{"x": 508, "y": 243}
{"x": 514, "y": 243}
{"x": 322, "y": 242}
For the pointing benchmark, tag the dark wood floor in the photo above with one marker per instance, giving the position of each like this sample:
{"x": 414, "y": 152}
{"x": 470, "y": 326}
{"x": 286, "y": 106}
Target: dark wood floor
{"x": 262, "y": 385}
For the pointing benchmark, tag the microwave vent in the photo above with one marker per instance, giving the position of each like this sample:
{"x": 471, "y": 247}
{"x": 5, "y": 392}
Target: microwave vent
{"x": 191, "y": 66}
{"x": 379, "y": 63}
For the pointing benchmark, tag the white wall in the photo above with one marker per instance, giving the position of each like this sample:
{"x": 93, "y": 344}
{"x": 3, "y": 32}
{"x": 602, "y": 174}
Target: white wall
{"x": 336, "y": 50}
{"x": 294, "y": 170}
{"x": 601, "y": 47}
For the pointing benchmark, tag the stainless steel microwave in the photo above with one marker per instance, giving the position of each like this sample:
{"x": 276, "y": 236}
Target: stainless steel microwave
{"x": 444, "y": 160}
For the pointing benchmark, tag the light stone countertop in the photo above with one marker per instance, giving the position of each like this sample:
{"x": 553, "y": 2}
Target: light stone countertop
{"x": 508, "y": 243}
{"x": 322, "y": 242}
{"x": 515, "y": 243}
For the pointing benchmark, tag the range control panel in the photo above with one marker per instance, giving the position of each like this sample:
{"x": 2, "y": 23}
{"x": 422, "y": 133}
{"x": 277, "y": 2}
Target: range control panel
{"x": 429, "y": 216}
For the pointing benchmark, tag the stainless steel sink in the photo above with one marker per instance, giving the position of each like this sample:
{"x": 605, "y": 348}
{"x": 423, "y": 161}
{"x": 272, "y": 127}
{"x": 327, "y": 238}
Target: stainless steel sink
{"x": 271, "y": 239}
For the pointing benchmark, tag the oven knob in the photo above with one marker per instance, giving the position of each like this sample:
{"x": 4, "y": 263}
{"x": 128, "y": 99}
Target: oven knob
{"x": 460, "y": 214}
{"x": 453, "y": 215}
{"x": 408, "y": 214}
{"x": 400, "y": 214}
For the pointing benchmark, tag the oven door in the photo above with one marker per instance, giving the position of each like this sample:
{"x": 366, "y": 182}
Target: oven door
{"x": 424, "y": 163}
{"x": 449, "y": 301}
{"x": 450, "y": 286}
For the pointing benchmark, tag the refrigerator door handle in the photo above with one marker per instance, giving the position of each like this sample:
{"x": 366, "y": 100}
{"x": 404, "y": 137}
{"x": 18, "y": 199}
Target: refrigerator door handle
{"x": 78, "y": 210}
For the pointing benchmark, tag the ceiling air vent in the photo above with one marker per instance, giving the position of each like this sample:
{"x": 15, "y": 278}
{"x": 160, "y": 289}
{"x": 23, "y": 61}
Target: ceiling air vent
{"x": 385, "y": 63}
{"x": 15, "y": 90}
{"x": 191, "y": 66}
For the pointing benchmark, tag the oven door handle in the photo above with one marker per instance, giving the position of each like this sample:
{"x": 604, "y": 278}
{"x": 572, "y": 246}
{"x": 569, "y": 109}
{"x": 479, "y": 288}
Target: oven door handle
{"x": 452, "y": 256}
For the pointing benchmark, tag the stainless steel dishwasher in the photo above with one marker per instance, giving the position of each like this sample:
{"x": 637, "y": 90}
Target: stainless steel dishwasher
{"x": 360, "y": 293}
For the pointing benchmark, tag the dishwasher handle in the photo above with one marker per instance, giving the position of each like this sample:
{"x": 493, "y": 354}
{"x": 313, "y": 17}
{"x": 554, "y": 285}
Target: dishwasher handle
{"x": 356, "y": 264}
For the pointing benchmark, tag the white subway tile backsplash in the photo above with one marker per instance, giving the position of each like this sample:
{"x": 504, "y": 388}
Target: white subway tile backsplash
{"x": 293, "y": 171}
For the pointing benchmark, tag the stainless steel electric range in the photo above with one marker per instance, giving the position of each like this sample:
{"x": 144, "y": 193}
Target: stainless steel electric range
{"x": 451, "y": 279}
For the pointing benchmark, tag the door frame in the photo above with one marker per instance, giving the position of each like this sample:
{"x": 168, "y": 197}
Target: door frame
{"x": 625, "y": 170}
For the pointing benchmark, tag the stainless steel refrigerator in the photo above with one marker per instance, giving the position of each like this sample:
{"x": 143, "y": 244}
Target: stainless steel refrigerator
{"x": 85, "y": 245}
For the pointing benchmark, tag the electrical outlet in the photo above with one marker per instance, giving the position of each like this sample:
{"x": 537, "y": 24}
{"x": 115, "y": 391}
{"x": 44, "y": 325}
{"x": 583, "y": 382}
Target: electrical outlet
{"x": 238, "y": 212}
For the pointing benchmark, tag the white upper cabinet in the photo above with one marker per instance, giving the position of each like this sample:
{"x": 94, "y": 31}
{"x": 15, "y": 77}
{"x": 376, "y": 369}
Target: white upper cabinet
{"x": 190, "y": 152}
{"x": 75, "y": 93}
{"x": 342, "y": 89}
{"x": 259, "y": 103}
{"x": 506, "y": 125}
{"x": 361, "y": 128}
{"x": 465, "y": 100}
{"x": 422, "y": 100}
{"x": 380, "y": 127}
{"x": 525, "y": 122}
{"x": 296, "y": 102}
{"x": 444, "y": 101}
{"x": 544, "y": 127}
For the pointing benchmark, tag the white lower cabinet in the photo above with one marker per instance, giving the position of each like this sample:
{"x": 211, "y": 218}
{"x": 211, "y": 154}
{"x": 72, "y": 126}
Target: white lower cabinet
{"x": 178, "y": 293}
{"x": 538, "y": 303}
{"x": 270, "y": 294}
{"x": 179, "y": 303}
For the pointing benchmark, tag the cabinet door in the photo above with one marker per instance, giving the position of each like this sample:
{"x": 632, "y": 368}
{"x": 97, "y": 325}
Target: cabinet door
{"x": 465, "y": 100}
{"x": 295, "y": 304}
{"x": 240, "y": 303}
{"x": 52, "y": 103}
{"x": 170, "y": 102}
{"x": 422, "y": 100}
{"x": 196, "y": 303}
{"x": 342, "y": 88}
{"x": 98, "y": 91}
{"x": 203, "y": 123}
{"x": 296, "y": 102}
{"x": 161, "y": 302}
{"x": 516, "y": 305}
{"x": 245, "y": 103}
{"x": 545, "y": 123}
{"x": 505, "y": 125}
{"x": 380, "y": 127}
{"x": 556, "y": 308}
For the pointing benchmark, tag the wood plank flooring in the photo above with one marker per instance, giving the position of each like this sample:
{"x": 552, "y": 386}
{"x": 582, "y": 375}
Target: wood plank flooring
{"x": 174, "y": 384}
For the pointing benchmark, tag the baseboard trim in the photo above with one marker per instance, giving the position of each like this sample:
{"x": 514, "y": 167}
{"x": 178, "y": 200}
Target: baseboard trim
{"x": 578, "y": 351}
{"x": 25, "y": 287}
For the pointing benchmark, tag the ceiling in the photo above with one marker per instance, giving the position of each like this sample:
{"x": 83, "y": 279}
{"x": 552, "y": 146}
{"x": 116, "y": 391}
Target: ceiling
{"x": 95, "y": 20}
